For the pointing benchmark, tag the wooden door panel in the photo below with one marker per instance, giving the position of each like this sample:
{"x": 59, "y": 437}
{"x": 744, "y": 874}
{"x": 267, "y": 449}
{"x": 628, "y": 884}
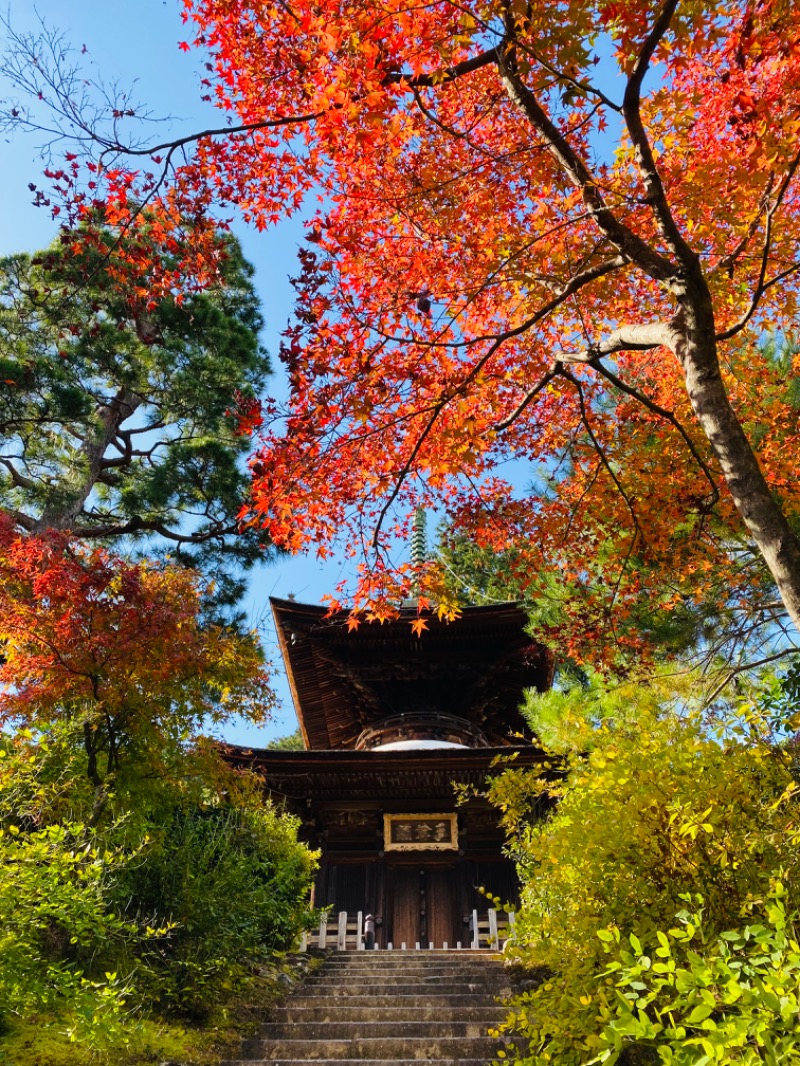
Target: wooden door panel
{"x": 423, "y": 906}
{"x": 440, "y": 898}
{"x": 404, "y": 885}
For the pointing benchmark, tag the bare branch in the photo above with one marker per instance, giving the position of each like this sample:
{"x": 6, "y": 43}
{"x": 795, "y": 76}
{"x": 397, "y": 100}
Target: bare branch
{"x": 628, "y": 338}
{"x": 736, "y": 670}
{"x": 574, "y": 166}
{"x": 599, "y": 448}
{"x": 655, "y": 195}
{"x": 669, "y": 417}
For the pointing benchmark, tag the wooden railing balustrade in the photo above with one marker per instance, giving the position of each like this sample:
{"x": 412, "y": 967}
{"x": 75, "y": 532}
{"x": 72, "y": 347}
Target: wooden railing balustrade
{"x": 346, "y": 933}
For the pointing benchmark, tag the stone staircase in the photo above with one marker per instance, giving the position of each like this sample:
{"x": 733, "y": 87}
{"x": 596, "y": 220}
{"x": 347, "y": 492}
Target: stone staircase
{"x": 372, "y": 1008}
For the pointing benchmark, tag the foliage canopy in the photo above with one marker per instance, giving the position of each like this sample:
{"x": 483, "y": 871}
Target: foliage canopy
{"x": 554, "y": 233}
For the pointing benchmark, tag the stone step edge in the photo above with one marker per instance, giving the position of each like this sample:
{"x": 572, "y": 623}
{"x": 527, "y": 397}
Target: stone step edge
{"x": 281, "y": 1048}
{"x": 443, "y": 999}
{"x": 404, "y": 988}
{"x": 392, "y": 1013}
{"x": 370, "y": 1030}
{"x": 449, "y": 1061}
{"x": 412, "y": 968}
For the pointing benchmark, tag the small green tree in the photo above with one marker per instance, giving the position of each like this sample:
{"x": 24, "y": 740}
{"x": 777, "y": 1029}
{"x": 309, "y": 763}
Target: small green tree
{"x": 291, "y": 742}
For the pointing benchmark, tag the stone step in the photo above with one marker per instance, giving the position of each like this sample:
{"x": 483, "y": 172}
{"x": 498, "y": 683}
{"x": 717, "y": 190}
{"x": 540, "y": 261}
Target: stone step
{"x": 396, "y": 978}
{"x": 387, "y": 1009}
{"x": 389, "y": 987}
{"x": 369, "y": 971}
{"x": 419, "y": 958}
{"x": 365, "y": 958}
{"x": 413, "y": 952}
{"x": 409, "y": 1003}
{"x": 423, "y": 1012}
{"x": 406, "y": 973}
{"x": 422, "y": 1031}
{"x": 387, "y": 1048}
{"x": 407, "y": 993}
{"x": 405, "y": 986}
{"x": 356, "y": 1062}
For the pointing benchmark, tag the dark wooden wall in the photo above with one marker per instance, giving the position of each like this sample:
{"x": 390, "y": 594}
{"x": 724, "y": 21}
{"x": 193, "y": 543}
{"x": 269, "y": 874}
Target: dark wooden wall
{"x": 420, "y": 895}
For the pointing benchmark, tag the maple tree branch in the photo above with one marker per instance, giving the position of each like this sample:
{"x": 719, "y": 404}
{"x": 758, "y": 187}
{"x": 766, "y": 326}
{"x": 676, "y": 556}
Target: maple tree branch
{"x": 406, "y": 467}
{"x": 573, "y": 286}
{"x": 447, "y": 74}
{"x": 585, "y": 88}
{"x": 631, "y": 338}
{"x": 562, "y": 293}
{"x": 246, "y": 127}
{"x": 793, "y": 269}
{"x": 655, "y": 194}
{"x": 459, "y": 135}
{"x": 605, "y": 464}
{"x": 727, "y": 263}
{"x": 669, "y": 416}
{"x": 569, "y": 288}
{"x": 762, "y": 284}
{"x": 600, "y": 450}
{"x": 574, "y": 166}
{"x": 759, "y": 290}
{"x": 576, "y": 507}
{"x": 527, "y": 399}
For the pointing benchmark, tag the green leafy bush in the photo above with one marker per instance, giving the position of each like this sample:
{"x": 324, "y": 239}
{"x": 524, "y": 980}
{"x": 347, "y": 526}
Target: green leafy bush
{"x": 55, "y": 918}
{"x": 189, "y": 881}
{"x": 732, "y": 999}
{"x": 659, "y": 809}
{"x": 233, "y": 886}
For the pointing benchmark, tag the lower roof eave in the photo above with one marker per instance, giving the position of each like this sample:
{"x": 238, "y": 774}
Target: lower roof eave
{"x": 348, "y": 774}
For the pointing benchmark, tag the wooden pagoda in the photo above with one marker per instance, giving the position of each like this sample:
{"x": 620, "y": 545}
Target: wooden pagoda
{"x": 394, "y": 726}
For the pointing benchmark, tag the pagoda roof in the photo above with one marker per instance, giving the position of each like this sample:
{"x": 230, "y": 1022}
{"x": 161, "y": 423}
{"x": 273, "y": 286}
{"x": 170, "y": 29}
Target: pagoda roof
{"x": 344, "y": 679}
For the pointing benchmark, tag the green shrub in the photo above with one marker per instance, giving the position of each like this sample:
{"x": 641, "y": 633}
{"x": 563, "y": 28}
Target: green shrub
{"x": 55, "y": 917}
{"x": 734, "y": 998}
{"x": 233, "y": 886}
{"x": 170, "y": 903}
{"x": 654, "y": 812}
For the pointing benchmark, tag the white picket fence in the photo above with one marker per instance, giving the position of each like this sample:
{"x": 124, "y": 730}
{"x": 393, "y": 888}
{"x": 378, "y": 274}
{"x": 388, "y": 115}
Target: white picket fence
{"x": 490, "y": 929}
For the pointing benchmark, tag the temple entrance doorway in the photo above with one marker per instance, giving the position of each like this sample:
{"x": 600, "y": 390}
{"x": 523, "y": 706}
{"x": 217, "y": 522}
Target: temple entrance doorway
{"x": 422, "y": 905}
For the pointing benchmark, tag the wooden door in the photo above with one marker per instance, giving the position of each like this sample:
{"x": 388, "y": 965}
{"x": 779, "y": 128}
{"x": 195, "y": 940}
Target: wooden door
{"x": 423, "y": 906}
{"x": 404, "y": 888}
{"x": 442, "y": 925}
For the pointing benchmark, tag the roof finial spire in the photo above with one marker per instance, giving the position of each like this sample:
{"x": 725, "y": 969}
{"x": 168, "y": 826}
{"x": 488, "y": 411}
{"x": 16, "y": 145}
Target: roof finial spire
{"x": 419, "y": 538}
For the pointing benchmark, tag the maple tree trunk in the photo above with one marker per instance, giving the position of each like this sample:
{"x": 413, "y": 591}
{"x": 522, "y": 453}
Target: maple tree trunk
{"x": 761, "y": 513}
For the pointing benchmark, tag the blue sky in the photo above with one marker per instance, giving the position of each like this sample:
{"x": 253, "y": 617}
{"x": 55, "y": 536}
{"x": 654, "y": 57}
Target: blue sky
{"x": 129, "y": 41}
